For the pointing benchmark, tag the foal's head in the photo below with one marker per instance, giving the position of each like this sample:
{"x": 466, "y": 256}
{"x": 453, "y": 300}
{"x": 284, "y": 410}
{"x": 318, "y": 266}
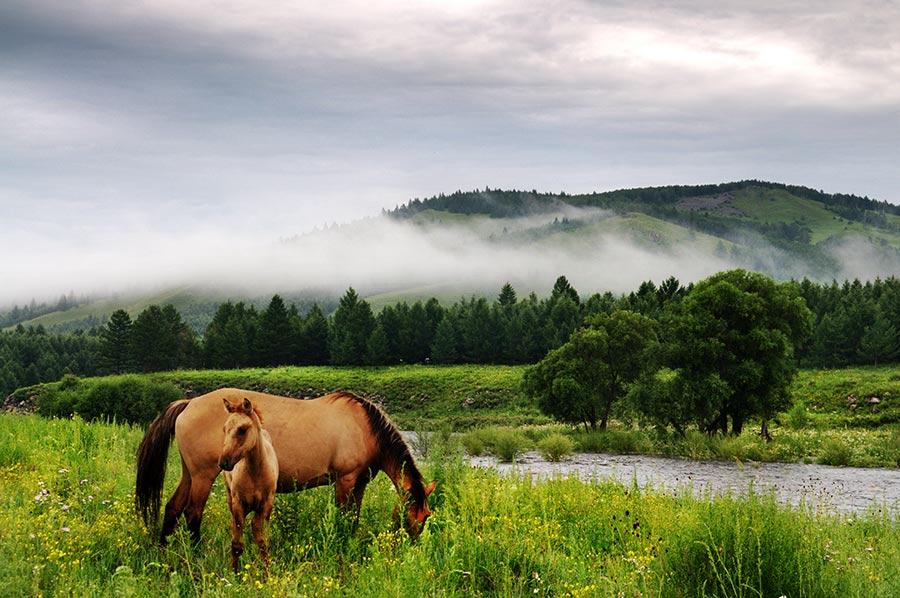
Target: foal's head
{"x": 241, "y": 432}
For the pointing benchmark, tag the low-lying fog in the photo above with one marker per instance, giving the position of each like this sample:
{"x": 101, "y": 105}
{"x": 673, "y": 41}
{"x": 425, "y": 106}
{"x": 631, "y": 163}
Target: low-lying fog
{"x": 458, "y": 255}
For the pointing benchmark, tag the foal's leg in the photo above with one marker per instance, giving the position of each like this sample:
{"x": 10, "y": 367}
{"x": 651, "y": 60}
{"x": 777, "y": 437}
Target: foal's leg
{"x": 260, "y": 518}
{"x": 176, "y": 504}
{"x": 237, "y": 531}
{"x": 200, "y": 487}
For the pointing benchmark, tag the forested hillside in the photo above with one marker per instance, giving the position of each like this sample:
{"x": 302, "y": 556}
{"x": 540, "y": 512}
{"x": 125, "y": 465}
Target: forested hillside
{"x": 853, "y": 323}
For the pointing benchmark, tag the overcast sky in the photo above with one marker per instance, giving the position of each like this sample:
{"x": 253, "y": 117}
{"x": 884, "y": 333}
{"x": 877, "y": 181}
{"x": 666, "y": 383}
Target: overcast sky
{"x": 141, "y": 126}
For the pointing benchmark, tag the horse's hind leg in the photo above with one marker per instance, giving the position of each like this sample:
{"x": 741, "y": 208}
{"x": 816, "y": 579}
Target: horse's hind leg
{"x": 175, "y": 506}
{"x": 259, "y": 535}
{"x": 200, "y": 487}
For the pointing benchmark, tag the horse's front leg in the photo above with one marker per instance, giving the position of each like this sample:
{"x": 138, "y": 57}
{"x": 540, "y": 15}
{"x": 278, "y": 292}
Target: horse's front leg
{"x": 237, "y": 532}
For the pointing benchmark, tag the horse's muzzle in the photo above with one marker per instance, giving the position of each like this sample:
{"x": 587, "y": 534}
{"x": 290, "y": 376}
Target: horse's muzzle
{"x": 226, "y": 465}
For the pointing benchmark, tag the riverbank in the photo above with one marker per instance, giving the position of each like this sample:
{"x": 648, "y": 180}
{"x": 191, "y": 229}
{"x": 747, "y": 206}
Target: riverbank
{"x": 855, "y": 447}
{"x": 67, "y": 521}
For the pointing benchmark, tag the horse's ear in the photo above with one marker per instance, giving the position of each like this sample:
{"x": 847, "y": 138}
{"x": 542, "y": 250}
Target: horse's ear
{"x": 227, "y": 404}
{"x": 430, "y": 487}
{"x": 247, "y": 406}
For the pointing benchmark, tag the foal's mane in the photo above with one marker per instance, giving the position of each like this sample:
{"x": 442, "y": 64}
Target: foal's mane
{"x": 391, "y": 443}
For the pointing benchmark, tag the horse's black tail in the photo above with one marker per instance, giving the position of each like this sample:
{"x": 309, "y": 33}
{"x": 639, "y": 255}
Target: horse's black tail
{"x": 151, "y": 462}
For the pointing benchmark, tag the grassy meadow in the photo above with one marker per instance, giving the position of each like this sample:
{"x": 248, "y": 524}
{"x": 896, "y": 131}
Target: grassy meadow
{"x": 822, "y": 426}
{"x": 67, "y": 527}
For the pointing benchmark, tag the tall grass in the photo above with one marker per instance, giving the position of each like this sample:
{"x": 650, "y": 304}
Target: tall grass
{"x": 68, "y": 528}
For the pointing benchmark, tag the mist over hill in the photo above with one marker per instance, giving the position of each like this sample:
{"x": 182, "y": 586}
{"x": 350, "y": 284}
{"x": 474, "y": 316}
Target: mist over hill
{"x": 472, "y": 242}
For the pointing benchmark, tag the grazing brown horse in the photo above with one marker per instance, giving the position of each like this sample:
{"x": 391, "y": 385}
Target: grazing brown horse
{"x": 339, "y": 438}
{"x": 251, "y": 475}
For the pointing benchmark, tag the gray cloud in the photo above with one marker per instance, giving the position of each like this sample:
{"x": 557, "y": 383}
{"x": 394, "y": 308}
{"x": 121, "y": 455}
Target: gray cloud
{"x": 167, "y": 121}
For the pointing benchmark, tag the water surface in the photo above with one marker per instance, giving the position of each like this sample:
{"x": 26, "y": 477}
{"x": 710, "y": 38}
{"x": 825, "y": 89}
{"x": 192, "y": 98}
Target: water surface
{"x": 824, "y": 488}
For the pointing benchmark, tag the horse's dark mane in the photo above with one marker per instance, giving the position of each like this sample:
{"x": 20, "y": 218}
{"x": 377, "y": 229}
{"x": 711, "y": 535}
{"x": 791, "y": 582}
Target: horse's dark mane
{"x": 391, "y": 442}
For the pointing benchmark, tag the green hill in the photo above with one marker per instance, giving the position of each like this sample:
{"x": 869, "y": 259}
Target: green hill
{"x": 784, "y": 231}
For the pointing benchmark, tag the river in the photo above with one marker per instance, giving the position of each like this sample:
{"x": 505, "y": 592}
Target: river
{"x": 824, "y": 488}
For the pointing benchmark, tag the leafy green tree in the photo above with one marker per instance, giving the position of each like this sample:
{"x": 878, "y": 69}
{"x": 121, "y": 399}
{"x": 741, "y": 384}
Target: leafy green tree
{"x": 116, "y": 348}
{"x": 581, "y": 381}
{"x": 731, "y": 343}
{"x": 352, "y": 324}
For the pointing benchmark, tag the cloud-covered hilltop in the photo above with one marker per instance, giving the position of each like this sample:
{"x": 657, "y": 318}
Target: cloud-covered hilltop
{"x": 472, "y": 242}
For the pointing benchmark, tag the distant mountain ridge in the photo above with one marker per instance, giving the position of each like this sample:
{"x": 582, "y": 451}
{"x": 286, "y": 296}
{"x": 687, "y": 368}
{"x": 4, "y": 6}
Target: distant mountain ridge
{"x": 512, "y": 203}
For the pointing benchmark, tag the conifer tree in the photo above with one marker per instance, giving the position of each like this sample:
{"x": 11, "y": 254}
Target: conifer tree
{"x": 116, "y": 343}
{"x": 314, "y": 337}
{"x": 277, "y": 337}
{"x": 352, "y": 324}
{"x": 443, "y": 348}
{"x": 879, "y": 342}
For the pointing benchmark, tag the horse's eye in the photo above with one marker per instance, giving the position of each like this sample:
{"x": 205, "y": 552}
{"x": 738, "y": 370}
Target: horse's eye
{"x": 241, "y": 431}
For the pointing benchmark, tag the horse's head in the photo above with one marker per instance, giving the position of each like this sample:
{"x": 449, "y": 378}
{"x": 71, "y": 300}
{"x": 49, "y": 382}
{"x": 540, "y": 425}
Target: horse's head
{"x": 418, "y": 512}
{"x": 241, "y": 432}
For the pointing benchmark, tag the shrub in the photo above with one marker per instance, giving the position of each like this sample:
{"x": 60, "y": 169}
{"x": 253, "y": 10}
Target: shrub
{"x": 556, "y": 447}
{"x": 132, "y": 399}
{"x": 835, "y": 452}
{"x": 507, "y": 444}
{"x": 797, "y": 417}
{"x": 474, "y": 442}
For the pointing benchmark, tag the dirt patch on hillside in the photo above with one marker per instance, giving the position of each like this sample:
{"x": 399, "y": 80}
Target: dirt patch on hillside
{"x": 720, "y": 205}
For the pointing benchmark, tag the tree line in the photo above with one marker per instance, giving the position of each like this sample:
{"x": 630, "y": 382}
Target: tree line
{"x": 852, "y": 323}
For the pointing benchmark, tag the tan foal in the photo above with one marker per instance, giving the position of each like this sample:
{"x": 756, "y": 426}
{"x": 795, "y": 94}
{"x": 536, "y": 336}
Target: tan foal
{"x": 251, "y": 475}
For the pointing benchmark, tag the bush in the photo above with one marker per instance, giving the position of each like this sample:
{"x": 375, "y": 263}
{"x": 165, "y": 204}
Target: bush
{"x": 556, "y": 447}
{"x": 835, "y": 452}
{"x": 474, "y": 442}
{"x": 797, "y": 417}
{"x": 132, "y": 399}
{"x": 507, "y": 444}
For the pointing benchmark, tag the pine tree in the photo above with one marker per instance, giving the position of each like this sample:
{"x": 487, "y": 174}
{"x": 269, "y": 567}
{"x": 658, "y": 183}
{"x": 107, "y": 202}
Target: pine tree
{"x": 277, "y": 337}
{"x": 116, "y": 343}
{"x": 443, "y": 348}
{"x": 352, "y": 324}
{"x": 161, "y": 341}
{"x": 879, "y": 342}
{"x": 314, "y": 337}
{"x": 507, "y": 297}
{"x": 378, "y": 350}
{"x": 562, "y": 288}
